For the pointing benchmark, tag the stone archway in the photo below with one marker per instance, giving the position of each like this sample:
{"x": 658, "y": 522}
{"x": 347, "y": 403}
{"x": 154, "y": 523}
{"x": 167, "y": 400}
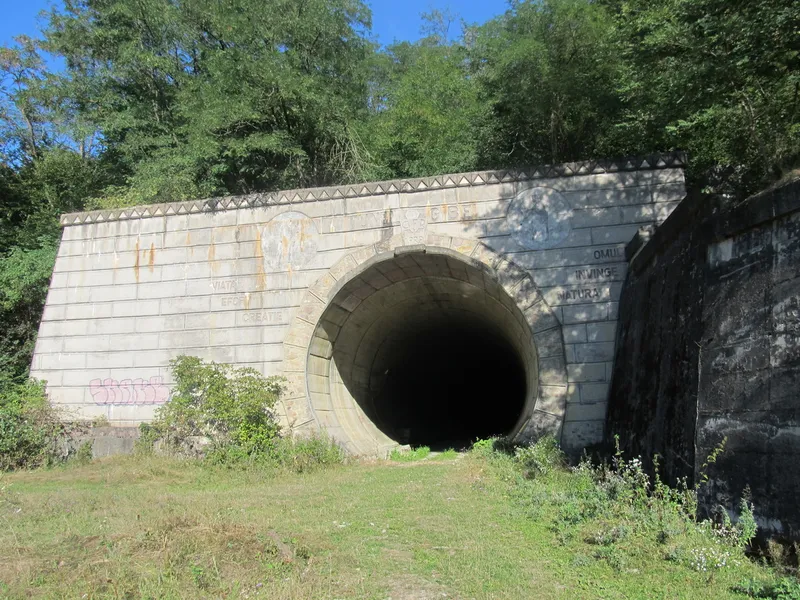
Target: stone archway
{"x": 428, "y": 319}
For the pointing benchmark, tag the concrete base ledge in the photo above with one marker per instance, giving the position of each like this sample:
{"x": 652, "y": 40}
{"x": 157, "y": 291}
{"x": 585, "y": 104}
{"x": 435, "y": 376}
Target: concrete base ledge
{"x": 106, "y": 441}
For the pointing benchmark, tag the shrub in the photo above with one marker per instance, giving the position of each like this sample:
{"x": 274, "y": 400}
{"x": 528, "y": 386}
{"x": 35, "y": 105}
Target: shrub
{"x": 148, "y": 436}
{"x": 231, "y": 407}
{"x": 84, "y": 454}
{"x": 30, "y": 430}
{"x": 226, "y": 415}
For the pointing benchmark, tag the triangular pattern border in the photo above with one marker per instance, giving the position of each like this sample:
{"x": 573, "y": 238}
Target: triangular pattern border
{"x": 671, "y": 160}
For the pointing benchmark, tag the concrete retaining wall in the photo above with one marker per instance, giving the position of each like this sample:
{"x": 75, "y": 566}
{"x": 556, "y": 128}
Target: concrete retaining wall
{"x": 709, "y": 348}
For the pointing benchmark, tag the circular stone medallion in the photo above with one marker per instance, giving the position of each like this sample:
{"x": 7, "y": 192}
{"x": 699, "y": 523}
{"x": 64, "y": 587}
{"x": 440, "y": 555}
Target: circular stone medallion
{"x": 289, "y": 241}
{"x": 539, "y": 218}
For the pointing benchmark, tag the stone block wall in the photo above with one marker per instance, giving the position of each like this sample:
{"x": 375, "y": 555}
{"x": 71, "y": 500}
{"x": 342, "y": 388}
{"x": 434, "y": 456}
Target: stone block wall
{"x": 709, "y": 349}
{"x": 224, "y": 278}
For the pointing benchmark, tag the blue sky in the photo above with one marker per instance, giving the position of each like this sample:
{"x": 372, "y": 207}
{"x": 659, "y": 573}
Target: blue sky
{"x": 391, "y": 19}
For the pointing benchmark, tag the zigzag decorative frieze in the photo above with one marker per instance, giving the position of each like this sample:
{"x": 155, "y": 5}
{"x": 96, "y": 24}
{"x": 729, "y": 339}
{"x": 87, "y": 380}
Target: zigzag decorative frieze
{"x": 575, "y": 169}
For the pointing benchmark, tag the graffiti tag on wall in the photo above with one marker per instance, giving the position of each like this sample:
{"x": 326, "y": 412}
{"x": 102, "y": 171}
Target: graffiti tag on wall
{"x": 129, "y": 391}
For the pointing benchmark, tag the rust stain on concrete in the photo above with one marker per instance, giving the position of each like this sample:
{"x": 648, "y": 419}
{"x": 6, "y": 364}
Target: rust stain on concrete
{"x": 152, "y": 259}
{"x": 261, "y": 276}
{"x": 212, "y": 254}
{"x": 136, "y": 262}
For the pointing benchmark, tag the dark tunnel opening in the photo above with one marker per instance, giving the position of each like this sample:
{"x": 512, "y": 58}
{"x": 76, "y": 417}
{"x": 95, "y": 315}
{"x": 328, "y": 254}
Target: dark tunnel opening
{"x": 452, "y": 381}
{"x": 422, "y": 349}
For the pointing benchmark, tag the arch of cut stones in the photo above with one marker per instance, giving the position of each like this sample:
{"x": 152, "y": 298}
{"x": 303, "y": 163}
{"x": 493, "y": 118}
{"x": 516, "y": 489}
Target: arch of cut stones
{"x": 265, "y": 280}
{"x": 308, "y": 354}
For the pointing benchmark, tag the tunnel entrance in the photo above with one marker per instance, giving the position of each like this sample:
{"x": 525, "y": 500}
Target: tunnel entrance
{"x": 449, "y": 382}
{"x": 422, "y": 349}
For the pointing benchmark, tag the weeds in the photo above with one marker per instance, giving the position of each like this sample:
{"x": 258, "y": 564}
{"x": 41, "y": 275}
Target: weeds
{"x": 83, "y": 455}
{"x": 540, "y": 458}
{"x": 786, "y": 588}
{"x": 305, "y": 454}
{"x": 620, "y": 510}
{"x": 412, "y": 455}
{"x": 449, "y": 454}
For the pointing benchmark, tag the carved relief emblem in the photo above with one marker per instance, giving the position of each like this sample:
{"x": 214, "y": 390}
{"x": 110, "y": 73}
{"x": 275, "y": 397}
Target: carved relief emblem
{"x": 413, "y": 226}
{"x": 289, "y": 242}
{"x": 539, "y": 218}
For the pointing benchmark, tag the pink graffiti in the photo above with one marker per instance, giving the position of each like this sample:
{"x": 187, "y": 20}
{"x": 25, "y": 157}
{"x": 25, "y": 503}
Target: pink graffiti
{"x": 129, "y": 391}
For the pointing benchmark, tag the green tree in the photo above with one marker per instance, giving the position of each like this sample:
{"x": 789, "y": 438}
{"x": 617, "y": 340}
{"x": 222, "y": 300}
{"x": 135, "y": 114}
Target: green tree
{"x": 205, "y": 98}
{"x": 549, "y": 72}
{"x": 718, "y": 78}
{"x": 46, "y": 168}
{"x": 23, "y": 120}
{"x": 24, "y": 280}
{"x": 426, "y": 110}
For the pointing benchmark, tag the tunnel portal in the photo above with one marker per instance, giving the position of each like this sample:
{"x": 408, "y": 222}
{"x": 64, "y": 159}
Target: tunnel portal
{"x": 422, "y": 310}
{"x": 423, "y": 349}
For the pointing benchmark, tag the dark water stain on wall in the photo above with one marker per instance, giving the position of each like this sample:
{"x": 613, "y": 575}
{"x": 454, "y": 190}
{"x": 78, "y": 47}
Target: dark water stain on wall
{"x": 709, "y": 349}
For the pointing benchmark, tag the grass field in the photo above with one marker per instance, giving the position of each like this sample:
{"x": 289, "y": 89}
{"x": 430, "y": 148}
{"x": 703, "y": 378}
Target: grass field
{"x": 454, "y": 528}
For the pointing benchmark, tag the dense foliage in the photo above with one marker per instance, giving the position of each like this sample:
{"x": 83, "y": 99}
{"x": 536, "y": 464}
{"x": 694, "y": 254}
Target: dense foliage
{"x": 226, "y": 415}
{"x": 30, "y": 431}
{"x": 232, "y": 408}
{"x": 161, "y": 100}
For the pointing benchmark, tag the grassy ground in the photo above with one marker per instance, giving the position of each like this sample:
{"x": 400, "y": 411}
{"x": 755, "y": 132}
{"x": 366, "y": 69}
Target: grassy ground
{"x": 438, "y": 528}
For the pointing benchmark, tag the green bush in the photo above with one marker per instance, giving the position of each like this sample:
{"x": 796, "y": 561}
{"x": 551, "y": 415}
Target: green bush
{"x": 30, "y": 430}
{"x": 148, "y": 436}
{"x": 232, "y": 411}
{"x": 231, "y": 407}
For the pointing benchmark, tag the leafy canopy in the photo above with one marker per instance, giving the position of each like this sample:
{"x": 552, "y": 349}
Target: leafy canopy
{"x": 165, "y": 100}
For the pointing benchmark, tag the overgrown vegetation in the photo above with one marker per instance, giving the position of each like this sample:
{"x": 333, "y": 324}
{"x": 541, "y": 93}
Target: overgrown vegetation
{"x": 493, "y": 524}
{"x": 159, "y": 101}
{"x": 225, "y": 415}
{"x": 30, "y": 429}
{"x": 409, "y": 454}
{"x": 231, "y": 408}
{"x": 616, "y": 513}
